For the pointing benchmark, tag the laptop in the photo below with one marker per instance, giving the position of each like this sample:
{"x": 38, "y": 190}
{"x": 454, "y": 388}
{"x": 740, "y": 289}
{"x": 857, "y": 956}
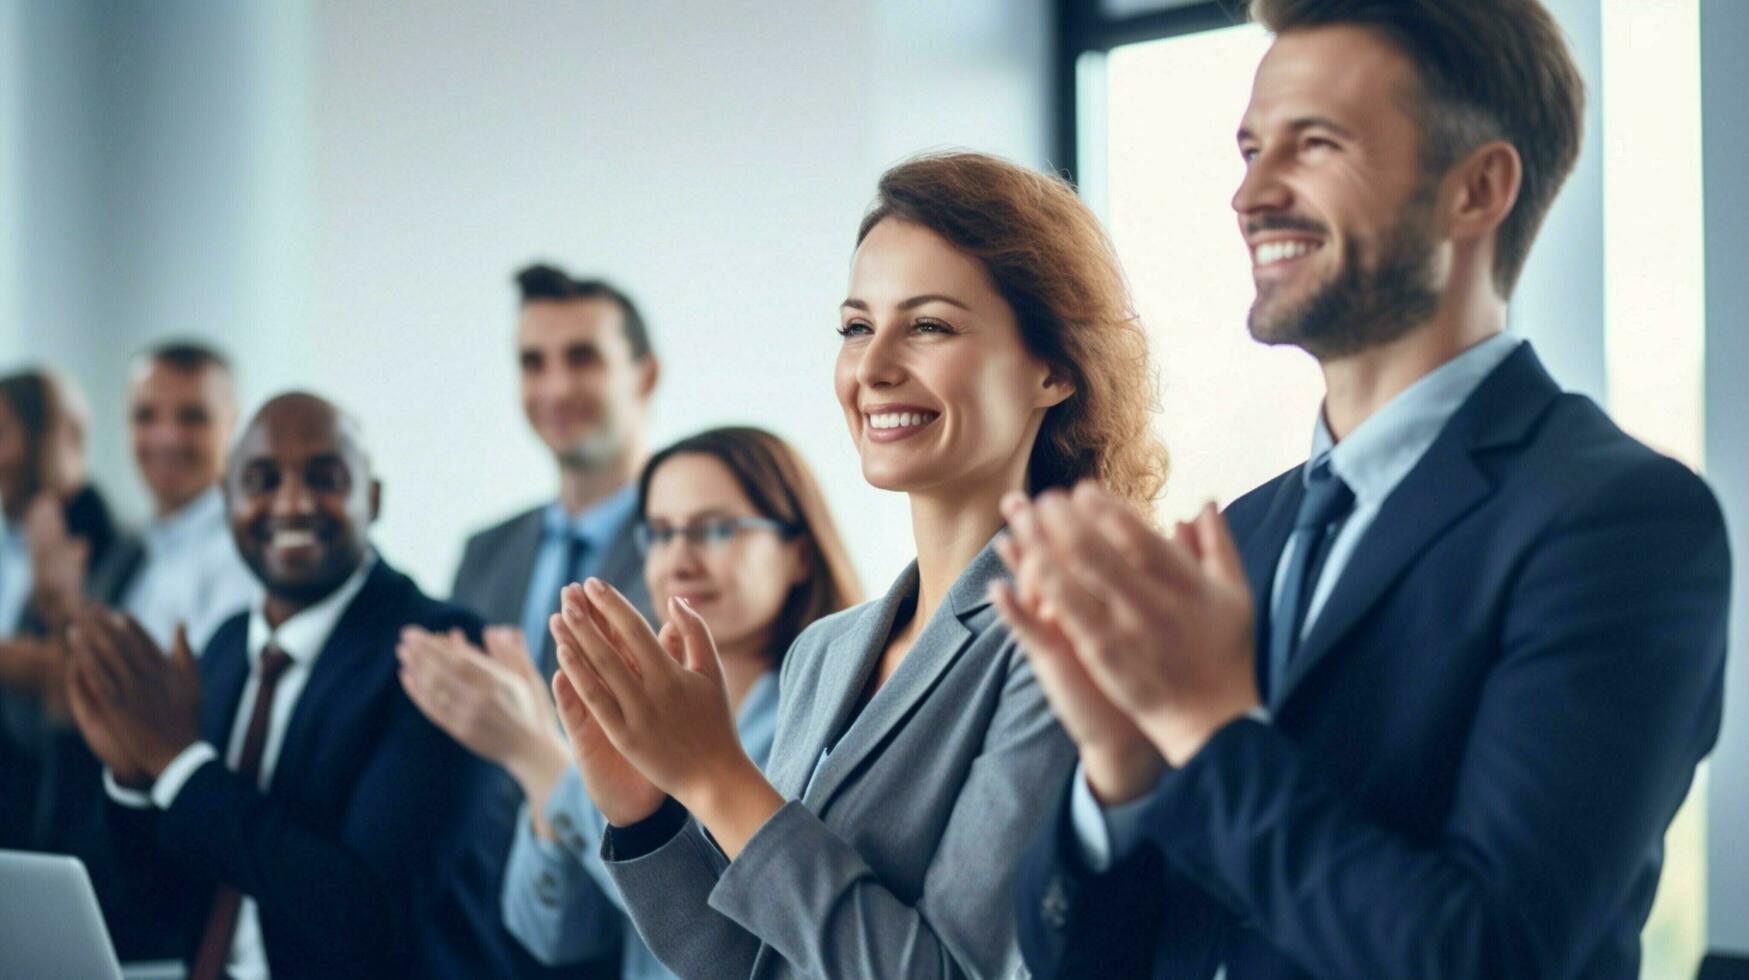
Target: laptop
{"x": 50, "y": 927}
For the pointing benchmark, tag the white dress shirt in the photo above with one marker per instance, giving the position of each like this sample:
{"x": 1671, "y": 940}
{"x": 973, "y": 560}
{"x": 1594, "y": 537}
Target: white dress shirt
{"x": 15, "y": 578}
{"x": 191, "y": 574}
{"x": 1373, "y": 460}
{"x": 302, "y": 638}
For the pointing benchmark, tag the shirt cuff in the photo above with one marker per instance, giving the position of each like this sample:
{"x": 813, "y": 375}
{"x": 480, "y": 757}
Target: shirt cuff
{"x": 575, "y": 821}
{"x": 1106, "y": 834}
{"x": 177, "y": 773}
{"x": 647, "y": 835}
{"x": 133, "y": 799}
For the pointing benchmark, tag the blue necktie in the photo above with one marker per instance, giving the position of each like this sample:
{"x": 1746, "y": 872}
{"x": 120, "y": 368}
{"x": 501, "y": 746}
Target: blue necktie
{"x": 576, "y": 549}
{"x": 1327, "y": 501}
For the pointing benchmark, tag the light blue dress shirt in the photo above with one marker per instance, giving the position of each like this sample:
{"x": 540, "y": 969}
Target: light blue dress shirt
{"x": 553, "y": 889}
{"x": 15, "y": 579}
{"x": 598, "y": 525}
{"x": 1373, "y": 460}
{"x": 191, "y": 574}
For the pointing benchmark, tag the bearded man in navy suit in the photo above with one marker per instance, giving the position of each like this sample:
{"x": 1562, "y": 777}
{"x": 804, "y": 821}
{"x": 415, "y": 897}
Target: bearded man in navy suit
{"x": 1424, "y": 705}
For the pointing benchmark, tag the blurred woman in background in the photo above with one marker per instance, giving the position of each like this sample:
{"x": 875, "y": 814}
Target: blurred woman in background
{"x": 56, "y": 527}
{"x": 732, "y": 523}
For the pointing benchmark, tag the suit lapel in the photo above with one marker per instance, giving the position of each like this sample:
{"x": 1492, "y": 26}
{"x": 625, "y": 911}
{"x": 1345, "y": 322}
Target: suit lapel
{"x": 358, "y": 647}
{"x": 115, "y": 575}
{"x": 844, "y": 671}
{"x": 1261, "y": 553}
{"x": 939, "y": 644}
{"x": 1444, "y": 486}
{"x": 223, "y": 672}
{"x": 521, "y": 548}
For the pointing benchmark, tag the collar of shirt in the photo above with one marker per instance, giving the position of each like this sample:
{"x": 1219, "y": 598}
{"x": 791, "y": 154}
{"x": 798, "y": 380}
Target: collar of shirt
{"x": 760, "y": 700}
{"x": 196, "y": 520}
{"x": 15, "y": 578}
{"x": 1382, "y": 450}
{"x": 596, "y": 525}
{"x": 303, "y": 636}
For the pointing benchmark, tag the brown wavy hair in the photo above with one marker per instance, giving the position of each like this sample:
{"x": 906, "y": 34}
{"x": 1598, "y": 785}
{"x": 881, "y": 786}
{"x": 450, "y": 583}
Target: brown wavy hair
{"x": 1052, "y": 261}
{"x": 780, "y": 486}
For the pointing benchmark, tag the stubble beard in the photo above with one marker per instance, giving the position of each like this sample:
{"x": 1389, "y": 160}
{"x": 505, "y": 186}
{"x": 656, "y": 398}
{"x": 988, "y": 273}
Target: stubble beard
{"x": 1367, "y": 304}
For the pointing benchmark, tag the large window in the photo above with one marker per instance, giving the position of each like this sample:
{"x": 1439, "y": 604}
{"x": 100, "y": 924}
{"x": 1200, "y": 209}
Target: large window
{"x": 1161, "y": 171}
{"x": 1155, "y": 92}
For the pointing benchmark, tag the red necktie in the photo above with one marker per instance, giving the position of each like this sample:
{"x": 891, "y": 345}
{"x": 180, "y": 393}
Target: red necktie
{"x": 221, "y": 922}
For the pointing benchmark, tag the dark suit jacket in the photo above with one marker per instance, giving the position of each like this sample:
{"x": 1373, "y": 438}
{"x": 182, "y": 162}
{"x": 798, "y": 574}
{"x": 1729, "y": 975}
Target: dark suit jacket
{"x": 47, "y": 778}
{"x": 1478, "y": 748}
{"x": 70, "y": 815}
{"x": 492, "y": 579}
{"x": 364, "y": 856}
{"x": 109, "y": 580}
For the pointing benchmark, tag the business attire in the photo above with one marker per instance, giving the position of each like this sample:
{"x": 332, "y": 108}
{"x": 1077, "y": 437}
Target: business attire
{"x": 183, "y": 569}
{"x": 896, "y": 853}
{"x": 511, "y": 573}
{"x": 87, "y": 517}
{"x": 34, "y": 747}
{"x": 1491, "y": 642}
{"x": 558, "y": 898}
{"x": 16, "y": 579}
{"x": 324, "y": 827}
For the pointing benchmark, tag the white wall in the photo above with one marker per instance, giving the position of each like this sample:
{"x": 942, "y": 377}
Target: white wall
{"x": 712, "y": 158}
{"x": 11, "y": 76}
{"x": 142, "y": 189}
{"x": 339, "y": 190}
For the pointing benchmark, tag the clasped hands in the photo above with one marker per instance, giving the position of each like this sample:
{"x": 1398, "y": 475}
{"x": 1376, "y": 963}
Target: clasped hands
{"x": 648, "y": 716}
{"x": 1141, "y": 642}
{"x": 136, "y": 708}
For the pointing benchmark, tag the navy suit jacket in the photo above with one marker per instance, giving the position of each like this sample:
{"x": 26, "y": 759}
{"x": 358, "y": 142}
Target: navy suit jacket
{"x": 1476, "y": 751}
{"x": 364, "y": 856}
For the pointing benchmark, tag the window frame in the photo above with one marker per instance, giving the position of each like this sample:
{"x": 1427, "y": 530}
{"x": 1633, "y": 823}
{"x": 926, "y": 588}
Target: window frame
{"x": 1084, "y": 28}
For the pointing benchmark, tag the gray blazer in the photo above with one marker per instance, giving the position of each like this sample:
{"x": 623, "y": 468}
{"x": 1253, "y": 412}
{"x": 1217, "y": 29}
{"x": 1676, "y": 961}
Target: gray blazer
{"x": 497, "y": 563}
{"x": 897, "y": 853}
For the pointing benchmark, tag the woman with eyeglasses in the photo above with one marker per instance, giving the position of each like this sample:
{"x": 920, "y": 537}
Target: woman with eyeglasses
{"x": 988, "y": 348}
{"x": 732, "y": 523}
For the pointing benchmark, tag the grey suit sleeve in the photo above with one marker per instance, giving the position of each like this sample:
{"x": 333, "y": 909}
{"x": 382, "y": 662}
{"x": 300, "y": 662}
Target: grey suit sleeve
{"x": 557, "y": 901}
{"x": 836, "y": 919}
{"x": 464, "y": 573}
{"x": 667, "y": 891}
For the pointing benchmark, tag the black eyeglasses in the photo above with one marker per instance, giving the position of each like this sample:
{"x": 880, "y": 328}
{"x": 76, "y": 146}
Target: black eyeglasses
{"x": 706, "y": 535}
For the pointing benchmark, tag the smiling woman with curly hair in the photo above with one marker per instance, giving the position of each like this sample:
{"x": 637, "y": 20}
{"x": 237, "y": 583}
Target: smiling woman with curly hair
{"x": 988, "y": 348}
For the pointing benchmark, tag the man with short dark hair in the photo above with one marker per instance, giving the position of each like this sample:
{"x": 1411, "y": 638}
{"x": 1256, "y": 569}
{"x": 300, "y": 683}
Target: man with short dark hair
{"x": 1427, "y": 709}
{"x": 281, "y": 806}
{"x": 588, "y": 373}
